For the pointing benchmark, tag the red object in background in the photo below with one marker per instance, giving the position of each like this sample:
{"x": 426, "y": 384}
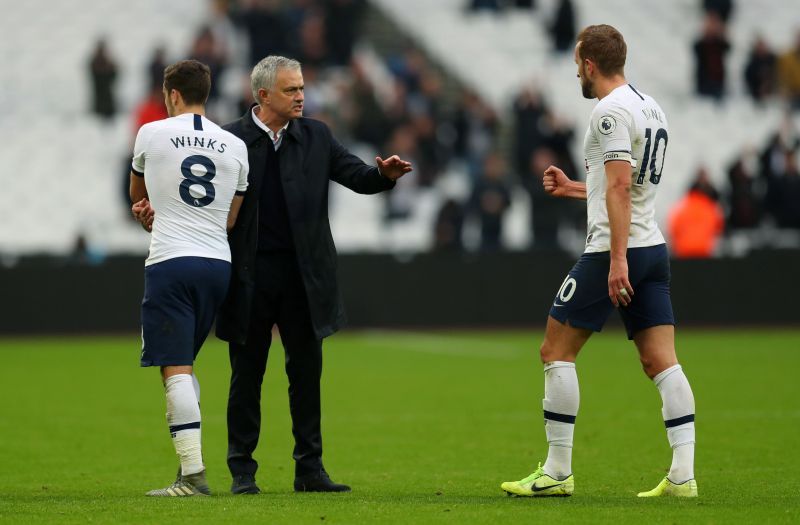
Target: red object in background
{"x": 151, "y": 109}
{"x": 695, "y": 224}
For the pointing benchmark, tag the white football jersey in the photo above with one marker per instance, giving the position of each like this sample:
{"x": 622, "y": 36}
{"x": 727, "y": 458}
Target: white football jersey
{"x": 625, "y": 125}
{"x": 192, "y": 169}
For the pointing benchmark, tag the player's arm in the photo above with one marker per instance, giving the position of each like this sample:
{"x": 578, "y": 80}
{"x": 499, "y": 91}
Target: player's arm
{"x": 138, "y": 190}
{"x": 236, "y": 205}
{"x": 557, "y": 184}
{"x": 241, "y": 187}
{"x": 141, "y": 209}
{"x": 618, "y": 203}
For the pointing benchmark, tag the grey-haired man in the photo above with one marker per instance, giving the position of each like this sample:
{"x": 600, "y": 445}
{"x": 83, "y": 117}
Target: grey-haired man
{"x": 284, "y": 267}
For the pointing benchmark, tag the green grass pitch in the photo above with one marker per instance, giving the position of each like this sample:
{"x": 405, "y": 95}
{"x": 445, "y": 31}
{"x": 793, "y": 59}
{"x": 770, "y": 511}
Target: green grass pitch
{"x": 424, "y": 426}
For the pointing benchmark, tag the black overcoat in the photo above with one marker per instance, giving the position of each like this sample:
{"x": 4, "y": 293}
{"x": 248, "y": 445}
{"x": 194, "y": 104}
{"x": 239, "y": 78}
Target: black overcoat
{"x": 309, "y": 158}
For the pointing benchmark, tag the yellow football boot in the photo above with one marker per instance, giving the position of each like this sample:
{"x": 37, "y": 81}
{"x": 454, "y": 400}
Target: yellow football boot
{"x": 540, "y": 484}
{"x": 687, "y": 489}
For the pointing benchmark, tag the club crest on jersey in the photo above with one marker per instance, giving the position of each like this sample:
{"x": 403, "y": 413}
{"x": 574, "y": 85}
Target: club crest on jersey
{"x": 606, "y": 124}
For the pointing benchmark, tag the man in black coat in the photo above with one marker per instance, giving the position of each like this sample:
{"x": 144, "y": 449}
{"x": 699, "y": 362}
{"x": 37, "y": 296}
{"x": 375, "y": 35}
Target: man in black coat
{"x": 284, "y": 267}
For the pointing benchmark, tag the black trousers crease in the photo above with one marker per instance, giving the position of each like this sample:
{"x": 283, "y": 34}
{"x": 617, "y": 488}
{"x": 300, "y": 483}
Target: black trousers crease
{"x": 280, "y": 299}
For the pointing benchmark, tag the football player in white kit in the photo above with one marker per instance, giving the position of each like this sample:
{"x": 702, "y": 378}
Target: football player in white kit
{"x": 625, "y": 265}
{"x": 192, "y": 174}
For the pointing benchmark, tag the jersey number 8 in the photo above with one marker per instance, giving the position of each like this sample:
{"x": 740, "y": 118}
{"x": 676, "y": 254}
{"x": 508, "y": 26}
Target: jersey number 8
{"x": 191, "y": 180}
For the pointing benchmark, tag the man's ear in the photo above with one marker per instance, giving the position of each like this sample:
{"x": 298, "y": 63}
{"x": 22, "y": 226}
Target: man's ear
{"x": 588, "y": 67}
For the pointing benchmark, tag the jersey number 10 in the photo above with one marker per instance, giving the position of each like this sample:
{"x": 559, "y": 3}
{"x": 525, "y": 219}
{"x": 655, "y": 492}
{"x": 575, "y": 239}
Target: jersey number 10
{"x": 655, "y": 176}
{"x": 192, "y": 179}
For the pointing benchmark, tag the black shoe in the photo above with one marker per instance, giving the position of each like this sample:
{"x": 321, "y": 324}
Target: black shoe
{"x": 244, "y": 484}
{"x": 318, "y": 482}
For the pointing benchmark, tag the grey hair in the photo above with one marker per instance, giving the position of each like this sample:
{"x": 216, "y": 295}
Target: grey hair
{"x": 266, "y": 71}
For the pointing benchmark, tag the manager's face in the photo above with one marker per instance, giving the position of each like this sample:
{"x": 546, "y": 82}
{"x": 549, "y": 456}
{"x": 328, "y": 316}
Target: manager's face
{"x": 286, "y": 97}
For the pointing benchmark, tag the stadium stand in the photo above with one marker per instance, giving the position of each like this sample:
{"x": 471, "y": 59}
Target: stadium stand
{"x": 512, "y": 50}
{"x": 63, "y": 167}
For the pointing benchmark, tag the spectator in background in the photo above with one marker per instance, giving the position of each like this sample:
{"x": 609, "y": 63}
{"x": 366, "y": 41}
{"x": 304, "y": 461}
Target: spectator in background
{"x": 150, "y": 109}
{"x": 313, "y": 49}
{"x": 760, "y": 73}
{"x": 558, "y": 134}
{"x": 103, "y": 72}
{"x": 696, "y": 222}
{"x": 490, "y": 200}
{"x": 265, "y": 25}
{"x": 155, "y": 70}
{"x": 783, "y": 193}
{"x": 368, "y": 121}
{"x": 408, "y": 67}
{"x": 343, "y": 17}
{"x": 721, "y": 8}
{"x": 745, "y": 195}
{"x": 562, "y": 30}
{"x": 205, "y": 50}
{"x": 400, "y": 202}
{"x": 448, "y": 228}
{"x": 789, "y": 74}
{"x": 484, "y": 5}
{"x": 709, "y": 51}
{"x": 431, "y": 152}
{"x": 546, "y": 211}
{"x": 772, "y": 160}
{"x": 528, "y": 114}
{"x": 224, "y": 32}
{"x": 475, "y": 125}
{"x": 295, "y": 13}
{"x": 702, "y": 183}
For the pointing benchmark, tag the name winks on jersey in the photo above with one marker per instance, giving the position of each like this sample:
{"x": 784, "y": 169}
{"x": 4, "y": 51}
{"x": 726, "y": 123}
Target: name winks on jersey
{"x": 198, "y": 142}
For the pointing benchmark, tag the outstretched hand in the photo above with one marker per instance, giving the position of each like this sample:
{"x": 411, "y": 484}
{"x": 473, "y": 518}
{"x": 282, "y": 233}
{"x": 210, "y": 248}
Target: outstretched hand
{"x": 393, "y": 168}
{"x": 144, "y": 214}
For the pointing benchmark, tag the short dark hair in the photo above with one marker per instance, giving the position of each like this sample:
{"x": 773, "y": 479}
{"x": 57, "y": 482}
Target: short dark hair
{"x": 603, "y": 45}
{"x": 191, "y": 78}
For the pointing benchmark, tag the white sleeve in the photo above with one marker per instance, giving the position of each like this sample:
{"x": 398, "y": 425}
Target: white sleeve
{"x": 611, "y": 125}
{"x": 241, "y": 186}
{"x": 139, "y": 153}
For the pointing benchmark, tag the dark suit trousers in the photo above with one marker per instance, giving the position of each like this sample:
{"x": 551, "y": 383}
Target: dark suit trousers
{"x": 279, "y": 299}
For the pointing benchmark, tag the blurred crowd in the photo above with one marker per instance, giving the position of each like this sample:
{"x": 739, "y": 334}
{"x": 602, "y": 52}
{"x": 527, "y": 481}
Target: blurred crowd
{"x": 404, "y": 104}
{"x": 768, "y": 73}
{"x": 763, "y": 184}
{"x": 760, "y": 199}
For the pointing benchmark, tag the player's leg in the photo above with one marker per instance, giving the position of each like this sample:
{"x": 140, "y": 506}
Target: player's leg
{"x": 656, "y": 347}
{"x": 559, "y": 351}
{"x": 183, "y": 418}
{"x": 168, "y": 323}
{"x": 650, "y": 324}
{"x": 581, "y": 307}
{"x": 205, "y": 282}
